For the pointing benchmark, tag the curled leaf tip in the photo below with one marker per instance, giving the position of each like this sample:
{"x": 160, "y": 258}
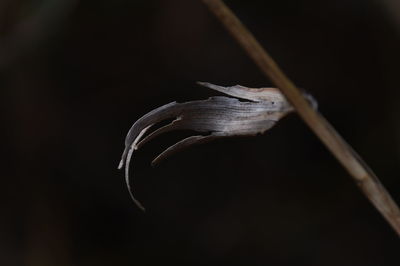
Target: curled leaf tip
{"x": 215, "y": 117}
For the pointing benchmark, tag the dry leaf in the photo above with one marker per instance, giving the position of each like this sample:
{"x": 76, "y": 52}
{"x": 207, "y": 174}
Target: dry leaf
{"x": 213, "y": 118}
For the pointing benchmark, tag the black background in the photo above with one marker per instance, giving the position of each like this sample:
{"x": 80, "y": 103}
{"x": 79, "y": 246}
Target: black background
{"x": 71, "y": 90}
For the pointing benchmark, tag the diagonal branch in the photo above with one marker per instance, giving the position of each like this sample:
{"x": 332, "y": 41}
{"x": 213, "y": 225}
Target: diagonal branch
{"x": 350, "y": 160}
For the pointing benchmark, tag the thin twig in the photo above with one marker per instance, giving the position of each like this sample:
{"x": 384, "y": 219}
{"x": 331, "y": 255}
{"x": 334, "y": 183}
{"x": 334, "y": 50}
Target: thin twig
{"x": 351, "y": 161}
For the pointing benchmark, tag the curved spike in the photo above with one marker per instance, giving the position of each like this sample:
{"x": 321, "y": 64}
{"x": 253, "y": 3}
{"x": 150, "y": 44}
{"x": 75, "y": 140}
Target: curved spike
{"x": 133, "y": 145}
{"x": 180, "y": 145}
{"x": 171, "y": 126}
{"x": 128, "y": 160}
{"x": 145, "y": 122}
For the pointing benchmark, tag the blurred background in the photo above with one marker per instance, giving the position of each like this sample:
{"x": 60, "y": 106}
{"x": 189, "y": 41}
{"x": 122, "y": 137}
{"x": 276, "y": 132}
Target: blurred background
{"x": 75, "y": 75}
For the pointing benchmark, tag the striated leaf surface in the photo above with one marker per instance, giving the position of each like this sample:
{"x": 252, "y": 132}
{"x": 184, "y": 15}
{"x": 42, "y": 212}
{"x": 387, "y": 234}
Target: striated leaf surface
{"x": 213, "y": 118}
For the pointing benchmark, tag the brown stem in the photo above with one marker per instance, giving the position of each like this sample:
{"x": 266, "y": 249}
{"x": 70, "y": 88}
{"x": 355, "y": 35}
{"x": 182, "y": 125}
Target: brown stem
{"x": 351, "y": 161}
